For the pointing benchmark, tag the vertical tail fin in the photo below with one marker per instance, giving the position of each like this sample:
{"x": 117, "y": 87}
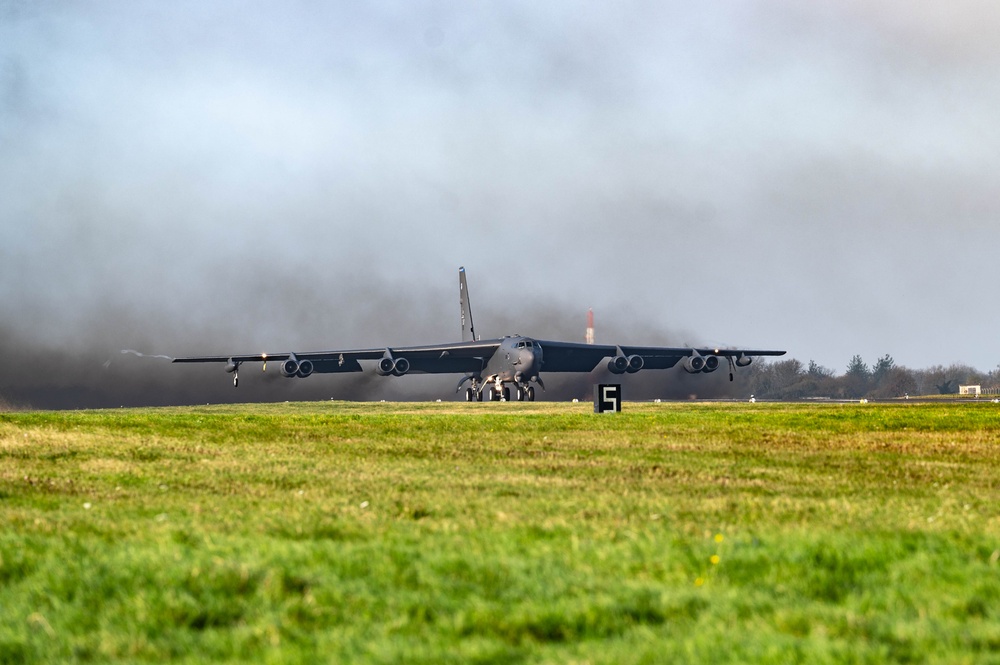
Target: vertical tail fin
{"x": 468, "y": 329}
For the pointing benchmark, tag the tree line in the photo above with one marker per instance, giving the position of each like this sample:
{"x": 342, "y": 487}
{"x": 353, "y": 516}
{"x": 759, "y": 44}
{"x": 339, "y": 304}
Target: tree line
{"x": 884, "y": 379}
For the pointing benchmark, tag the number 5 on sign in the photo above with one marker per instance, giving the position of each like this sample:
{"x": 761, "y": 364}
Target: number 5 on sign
{"x": 607, "y": 398}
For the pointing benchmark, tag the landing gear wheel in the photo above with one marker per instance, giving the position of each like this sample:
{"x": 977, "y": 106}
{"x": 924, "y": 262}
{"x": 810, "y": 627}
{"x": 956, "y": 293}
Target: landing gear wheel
{"x": 236, "y": 380}
{"x": 530, "y": 393}
{"x": 479, "y": 396}
{"x": 469, "y": 395}
{"x": 506, "y": 394}
{"x": 519, "y": 394}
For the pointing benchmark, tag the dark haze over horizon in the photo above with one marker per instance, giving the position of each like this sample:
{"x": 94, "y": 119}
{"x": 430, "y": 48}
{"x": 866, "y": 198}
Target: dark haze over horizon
{"x": 201, "y": 178}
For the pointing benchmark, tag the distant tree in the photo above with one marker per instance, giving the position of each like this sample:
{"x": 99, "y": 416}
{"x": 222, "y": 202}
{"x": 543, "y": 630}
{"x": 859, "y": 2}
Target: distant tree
{"x": 895, "y": 382}
{"x": 817, "y": 370}
{"x": 993, "y": 378}
{"x": 946, "y": 380}
{"x": 790, "y": 379}
{"x": 778, "y": 380}
{"x": 882, "y": 367}
{"x": 857, "y": 379}
{"x": 858, "y": 368}
{"x": 788, "y": 371}
{"x": 818, "y": 381}
{"x": 760, "y": 378}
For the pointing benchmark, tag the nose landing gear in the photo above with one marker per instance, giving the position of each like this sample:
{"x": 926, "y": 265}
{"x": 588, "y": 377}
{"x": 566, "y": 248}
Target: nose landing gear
{"x": 497, "y": 392}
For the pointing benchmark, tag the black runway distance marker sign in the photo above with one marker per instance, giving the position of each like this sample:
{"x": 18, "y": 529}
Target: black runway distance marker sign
{"x": 608, "y": 398}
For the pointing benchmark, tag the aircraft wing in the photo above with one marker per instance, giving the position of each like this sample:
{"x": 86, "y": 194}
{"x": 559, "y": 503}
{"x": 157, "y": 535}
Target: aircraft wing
{"x": 656, "y": 357}
{"x": 579, "y": 357}
{"x": 573, "y": 356}
{"x": 430, "y": 359}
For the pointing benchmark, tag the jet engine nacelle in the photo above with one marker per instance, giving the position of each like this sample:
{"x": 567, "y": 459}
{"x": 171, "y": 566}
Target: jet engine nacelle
{"x": 394, "y": 366}
{"x": 384, "y": 367}
{"x": 290, "y": 368}
{"x": 622, "y": 364}
{"x": 696, "y": 364}
{"x": 742, "y": 360}
{"x": 232, "y": 366}
{"x": 618, "y": 365}
{"x": 306, "y": 368}
{"x": 693, "y": 364}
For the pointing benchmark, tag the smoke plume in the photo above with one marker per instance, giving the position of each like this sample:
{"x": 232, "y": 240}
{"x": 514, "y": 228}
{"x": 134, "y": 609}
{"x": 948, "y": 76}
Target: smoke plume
{"x": 191, "y": 178}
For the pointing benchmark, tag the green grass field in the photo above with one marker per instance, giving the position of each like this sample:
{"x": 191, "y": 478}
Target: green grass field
{"x": 343, "y": 532}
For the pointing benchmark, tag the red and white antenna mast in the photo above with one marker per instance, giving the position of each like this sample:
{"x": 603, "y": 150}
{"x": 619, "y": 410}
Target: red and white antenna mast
{"x": 589, "y": 338}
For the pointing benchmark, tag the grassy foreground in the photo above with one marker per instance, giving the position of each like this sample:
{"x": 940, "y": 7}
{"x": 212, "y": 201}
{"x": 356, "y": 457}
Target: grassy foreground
{"x": 340, "y": 532}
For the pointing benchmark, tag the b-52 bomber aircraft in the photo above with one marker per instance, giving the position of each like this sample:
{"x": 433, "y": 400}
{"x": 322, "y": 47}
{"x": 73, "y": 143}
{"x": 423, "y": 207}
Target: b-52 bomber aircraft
{"x": 489, "y": 365}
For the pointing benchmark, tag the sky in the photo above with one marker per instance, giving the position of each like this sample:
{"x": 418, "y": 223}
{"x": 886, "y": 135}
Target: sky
{"x": 191, "y": 178}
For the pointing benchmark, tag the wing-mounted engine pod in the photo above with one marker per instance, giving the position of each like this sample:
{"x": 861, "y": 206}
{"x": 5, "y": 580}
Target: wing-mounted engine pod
{"x": 711, "y": 364}
{"x": 742, "y": 360}
{"x": 693, "y": 364}
{"x": 290, "y": 367}
{"x": 385, "y": 366}
{"x": 232, "y": 365}
{"x": 306, "y": 368}
{"x": 618, "y": 365}
{"x": 635, "y": 363}
{"x": 395, "y": 366}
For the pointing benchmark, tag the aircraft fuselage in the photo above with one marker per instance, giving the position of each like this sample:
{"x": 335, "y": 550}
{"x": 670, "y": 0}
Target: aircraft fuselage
{"x": 517, "y": 360}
